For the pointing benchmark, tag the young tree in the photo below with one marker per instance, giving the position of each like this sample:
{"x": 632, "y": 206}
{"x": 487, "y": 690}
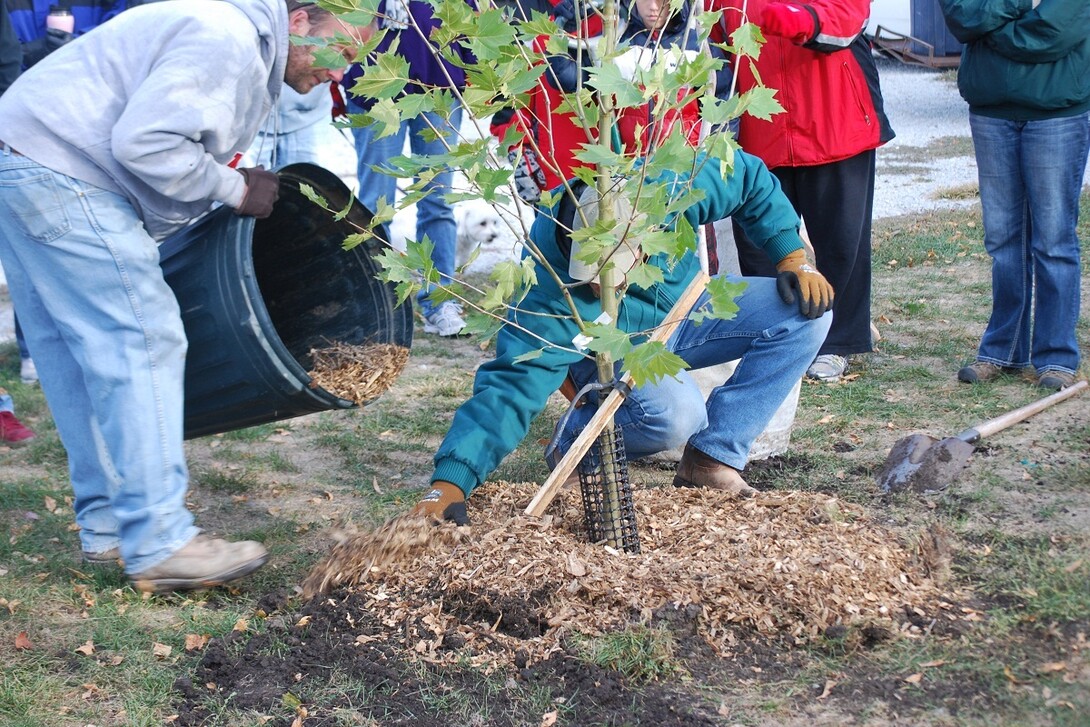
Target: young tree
{"x": 510, "y": 54}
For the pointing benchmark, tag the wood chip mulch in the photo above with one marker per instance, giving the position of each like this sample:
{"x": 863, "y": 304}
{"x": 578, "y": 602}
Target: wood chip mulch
{"x": 357, "y": 373}
{"x": 782, "y": 563}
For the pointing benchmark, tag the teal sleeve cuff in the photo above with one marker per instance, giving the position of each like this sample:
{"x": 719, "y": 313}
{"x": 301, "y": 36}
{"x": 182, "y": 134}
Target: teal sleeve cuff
{"x": 781, "y": 244}
{"x": 457, "y": 473}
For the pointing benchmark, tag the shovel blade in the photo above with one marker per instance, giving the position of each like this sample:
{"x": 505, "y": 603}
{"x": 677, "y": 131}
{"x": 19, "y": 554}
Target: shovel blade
{"x": 924, "y": 464}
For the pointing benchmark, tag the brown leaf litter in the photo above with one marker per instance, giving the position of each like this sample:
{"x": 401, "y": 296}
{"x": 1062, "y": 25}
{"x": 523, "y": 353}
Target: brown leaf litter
{"x": 357, "y": 373}
{"x": 782, "y": 563}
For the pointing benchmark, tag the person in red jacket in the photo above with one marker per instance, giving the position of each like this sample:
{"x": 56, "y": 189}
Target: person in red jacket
{"x": 822, "y": 148}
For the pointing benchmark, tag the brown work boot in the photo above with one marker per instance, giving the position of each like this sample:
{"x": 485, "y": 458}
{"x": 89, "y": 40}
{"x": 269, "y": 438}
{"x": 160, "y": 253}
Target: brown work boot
{"x": 979, "y": 372}
{"x": 204, "y": 562}
{"x": 697, "y": 469}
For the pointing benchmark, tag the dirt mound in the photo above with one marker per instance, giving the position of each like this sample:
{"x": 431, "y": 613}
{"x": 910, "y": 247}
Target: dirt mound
{"x": 781, "y": 563}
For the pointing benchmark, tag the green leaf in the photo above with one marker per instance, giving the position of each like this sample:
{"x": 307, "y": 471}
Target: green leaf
{"x": 310, "y": 193}
{"x": 651, "y": 362}
{"x": 721, "y": 303}
{"x": 599, "y": 155}
{"x": 761, "y": 102}
{"x": 528, "y": 356}
{"x": 355, "y": 240}
{"x": 675, "y": 155}
{"x": 645, "y": 275}
{"x": 385, "y": 78}
{"x": 747, "y": 40}
{"x": 413, "y": 104}
{"x": 608, "y": 339}
{"x": 384, "y": 115}
{"x": 507, "y": 276}
{"x": 607, "y": 79}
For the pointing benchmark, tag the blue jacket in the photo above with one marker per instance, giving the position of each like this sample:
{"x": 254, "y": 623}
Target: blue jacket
{"x": 508, "y": 394}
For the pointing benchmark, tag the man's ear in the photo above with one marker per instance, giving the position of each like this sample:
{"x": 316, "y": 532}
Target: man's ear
{"x": 298, "y": 22}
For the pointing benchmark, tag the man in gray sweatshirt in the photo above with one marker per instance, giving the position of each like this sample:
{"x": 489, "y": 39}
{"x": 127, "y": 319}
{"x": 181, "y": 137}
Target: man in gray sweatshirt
{"x": 106, "y": 147}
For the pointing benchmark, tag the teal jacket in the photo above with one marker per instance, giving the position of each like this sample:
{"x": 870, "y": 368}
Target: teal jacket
{"x": 1020, "y": 62}
{"x": 508, "y": 394}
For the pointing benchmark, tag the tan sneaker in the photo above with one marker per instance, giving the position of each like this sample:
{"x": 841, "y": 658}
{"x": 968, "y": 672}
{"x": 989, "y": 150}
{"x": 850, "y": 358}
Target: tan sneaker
{"x": 697, "y": 469}
{"x": 203, "y": 563}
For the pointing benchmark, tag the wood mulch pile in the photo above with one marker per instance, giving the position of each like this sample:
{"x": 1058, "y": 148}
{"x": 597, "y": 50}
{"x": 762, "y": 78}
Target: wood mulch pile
{"x": 782, "y": 563}
{"x": 357, "y": 373}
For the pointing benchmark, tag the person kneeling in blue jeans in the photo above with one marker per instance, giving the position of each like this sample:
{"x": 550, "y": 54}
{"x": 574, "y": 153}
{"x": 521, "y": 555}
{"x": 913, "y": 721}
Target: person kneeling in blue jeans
{"x": 777, "y": 332}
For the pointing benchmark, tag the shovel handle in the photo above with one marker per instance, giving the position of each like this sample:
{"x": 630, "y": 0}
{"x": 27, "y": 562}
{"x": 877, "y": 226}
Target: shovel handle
{"x": 990, "y": 427}
{"x": 612, "y": 403}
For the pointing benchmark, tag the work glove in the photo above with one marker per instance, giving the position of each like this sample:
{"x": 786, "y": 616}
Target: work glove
{"x": 38, "y": 49}
{"x": 799, "y": 279}
{"x": 787, "y": 20}
{"x": 262, "y": 191}
{"x": 444, "y": 501}
{"x": 528, "y": 177}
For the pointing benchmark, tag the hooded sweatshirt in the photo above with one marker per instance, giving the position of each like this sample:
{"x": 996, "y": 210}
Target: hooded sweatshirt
{"x": 154, "y": 104}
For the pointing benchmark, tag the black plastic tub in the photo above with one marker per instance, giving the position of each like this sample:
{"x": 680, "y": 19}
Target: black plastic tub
{"x": 257, "y": 295}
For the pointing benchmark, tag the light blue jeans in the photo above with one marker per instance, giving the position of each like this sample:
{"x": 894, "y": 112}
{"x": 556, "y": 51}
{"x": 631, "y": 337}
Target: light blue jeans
{"x": 775, "y": 344}
{"x": 107, "y": 336}
{"x": 6, "y": 404}
{"x": 434, "y": 216}
{"x": 1030, "y": 179}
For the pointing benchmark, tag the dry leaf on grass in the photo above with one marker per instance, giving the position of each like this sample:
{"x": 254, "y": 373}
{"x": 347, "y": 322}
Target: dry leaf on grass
{"x": 195, "y": 642}
{"x": 22, "y": 641}
{"x": 357, "y": 373}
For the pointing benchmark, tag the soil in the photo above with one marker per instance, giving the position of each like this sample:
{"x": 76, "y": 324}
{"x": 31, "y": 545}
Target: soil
{"x": 257, "y": 672}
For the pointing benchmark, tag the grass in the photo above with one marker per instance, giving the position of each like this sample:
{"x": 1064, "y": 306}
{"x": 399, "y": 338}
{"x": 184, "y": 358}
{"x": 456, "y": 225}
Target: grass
{"x": 1021, "y": 552}
{"x": 639, "y": 652}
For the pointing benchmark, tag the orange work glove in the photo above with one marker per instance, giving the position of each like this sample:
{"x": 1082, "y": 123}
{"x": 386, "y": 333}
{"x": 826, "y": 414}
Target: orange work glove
{"x": 799, "y": 278}
{"x": 444, "y": 501}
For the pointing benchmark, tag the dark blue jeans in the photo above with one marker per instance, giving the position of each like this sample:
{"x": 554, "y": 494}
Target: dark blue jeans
{"x": 1030, "y": 179}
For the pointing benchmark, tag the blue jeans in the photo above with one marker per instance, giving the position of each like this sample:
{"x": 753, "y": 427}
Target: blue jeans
{"x": 107, "y": 336}
{"x": 6, "y": 404}
{"x": 434, "y": 216}
{"x": 1030, "y": 179}
{"x": 775, "y": 344}
{"x": 20, "y": 339}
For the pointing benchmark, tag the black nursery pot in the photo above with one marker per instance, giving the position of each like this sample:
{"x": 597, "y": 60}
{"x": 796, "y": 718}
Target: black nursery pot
{"x": 257, "y": 295}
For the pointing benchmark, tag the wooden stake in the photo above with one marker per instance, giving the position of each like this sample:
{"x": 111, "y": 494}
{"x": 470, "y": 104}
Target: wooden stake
{"x": 612, "y": 403}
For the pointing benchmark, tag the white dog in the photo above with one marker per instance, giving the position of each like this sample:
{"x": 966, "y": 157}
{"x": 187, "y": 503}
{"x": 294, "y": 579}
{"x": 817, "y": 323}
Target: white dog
{"x": 478, "y": 226}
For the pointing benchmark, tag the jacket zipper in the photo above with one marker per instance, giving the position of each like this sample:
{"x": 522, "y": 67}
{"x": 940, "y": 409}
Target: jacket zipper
{"x": 855, "y": 92}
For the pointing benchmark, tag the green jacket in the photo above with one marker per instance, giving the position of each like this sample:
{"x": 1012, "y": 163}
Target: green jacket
{"x": 1022, "y": 62}
{"x": 507, "y": 395}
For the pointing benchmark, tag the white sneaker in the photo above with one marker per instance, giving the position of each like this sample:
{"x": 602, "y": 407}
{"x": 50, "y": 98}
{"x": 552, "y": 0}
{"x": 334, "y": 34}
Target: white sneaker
{"x": 28, "y": 372}
{"x": 446, "y": 320}
{"x": 827, "y": 367}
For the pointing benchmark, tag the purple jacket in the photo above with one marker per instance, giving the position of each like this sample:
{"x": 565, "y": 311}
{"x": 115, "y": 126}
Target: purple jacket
{"x": 424, "y": 64}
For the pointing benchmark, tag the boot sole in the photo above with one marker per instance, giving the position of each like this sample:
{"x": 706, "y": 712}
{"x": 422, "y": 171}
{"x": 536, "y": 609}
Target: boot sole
{"x": 163, "y": 585}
